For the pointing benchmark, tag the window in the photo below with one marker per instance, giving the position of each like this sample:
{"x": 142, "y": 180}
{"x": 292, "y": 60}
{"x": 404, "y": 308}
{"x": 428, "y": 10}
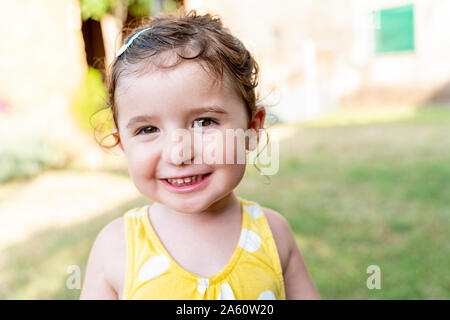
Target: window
{"x": 394, "y": 29}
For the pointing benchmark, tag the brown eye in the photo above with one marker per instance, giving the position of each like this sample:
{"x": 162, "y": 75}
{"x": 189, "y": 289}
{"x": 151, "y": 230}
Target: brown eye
{"x": 147, "y": 130}
{"x": 204, "y": 122}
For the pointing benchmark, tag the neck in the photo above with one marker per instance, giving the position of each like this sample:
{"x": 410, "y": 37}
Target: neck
{"x": 216, "y": 210}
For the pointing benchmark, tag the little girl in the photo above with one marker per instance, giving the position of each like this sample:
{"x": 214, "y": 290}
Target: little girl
{"x": 198, "y": 240}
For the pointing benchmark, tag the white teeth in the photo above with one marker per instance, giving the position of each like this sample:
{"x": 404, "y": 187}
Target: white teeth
{"x": 185, "y": 180}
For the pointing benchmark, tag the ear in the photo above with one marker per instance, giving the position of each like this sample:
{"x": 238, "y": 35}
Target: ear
{"x": 257, "y": 124}
{"x": 117, "y": 137}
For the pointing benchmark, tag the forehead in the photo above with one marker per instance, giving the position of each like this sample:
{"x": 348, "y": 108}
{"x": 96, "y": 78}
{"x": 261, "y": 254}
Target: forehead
{"x": 187, "y": 85}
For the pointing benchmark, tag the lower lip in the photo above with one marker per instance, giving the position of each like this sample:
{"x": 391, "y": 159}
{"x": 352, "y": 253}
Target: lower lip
{"x": 188, "y": 188}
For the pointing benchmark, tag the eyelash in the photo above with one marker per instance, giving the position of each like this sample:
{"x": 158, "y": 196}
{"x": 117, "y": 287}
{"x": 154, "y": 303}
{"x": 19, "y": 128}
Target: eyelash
{"x": 138, "y": 132}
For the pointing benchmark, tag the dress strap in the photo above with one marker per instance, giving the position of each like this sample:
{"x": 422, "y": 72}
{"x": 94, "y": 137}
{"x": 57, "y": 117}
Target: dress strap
{"x": 263, "y": 234}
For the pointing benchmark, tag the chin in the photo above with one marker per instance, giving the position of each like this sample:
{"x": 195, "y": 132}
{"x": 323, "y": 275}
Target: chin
{"x": 188, "y": 209}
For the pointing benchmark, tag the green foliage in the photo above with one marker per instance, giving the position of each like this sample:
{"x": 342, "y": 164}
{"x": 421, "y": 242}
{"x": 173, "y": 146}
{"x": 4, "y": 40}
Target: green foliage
{"x": 89, "y": 98}
{"x": 23, "y": 155}
{"x": 139, "y": 8}
{"x": 170, "y": 5}
{"x": 94, "y": 9}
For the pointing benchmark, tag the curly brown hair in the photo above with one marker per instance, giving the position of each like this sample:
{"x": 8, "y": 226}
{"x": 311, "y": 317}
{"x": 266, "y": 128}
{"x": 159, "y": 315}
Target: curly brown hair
{"x": 192, "y": 36}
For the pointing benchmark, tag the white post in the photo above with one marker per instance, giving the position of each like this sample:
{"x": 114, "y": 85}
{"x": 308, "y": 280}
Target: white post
{"x": 112, "y": 36}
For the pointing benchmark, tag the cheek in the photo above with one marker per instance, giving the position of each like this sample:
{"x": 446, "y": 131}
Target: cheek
{"x": 141, "y": 163}
{"x": 224, "y": 147}
{"x": 229, "y": 171}
{"x": 228, "y": 176}
{"x": 235, "y": 145}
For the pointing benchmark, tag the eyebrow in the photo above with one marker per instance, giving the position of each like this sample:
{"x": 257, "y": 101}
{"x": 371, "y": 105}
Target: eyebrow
{"x": 194, "y": 111}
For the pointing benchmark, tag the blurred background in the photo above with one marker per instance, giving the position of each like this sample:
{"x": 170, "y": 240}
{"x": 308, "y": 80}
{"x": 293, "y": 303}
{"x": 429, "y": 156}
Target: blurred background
{"x": 360, "y": 92}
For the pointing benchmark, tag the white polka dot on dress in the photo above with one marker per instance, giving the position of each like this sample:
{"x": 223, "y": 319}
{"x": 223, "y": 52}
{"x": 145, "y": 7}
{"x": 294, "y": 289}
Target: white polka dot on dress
{"x": 154, "y": 267}
{"x": 267, "y": 295}
{"x": 203, "y": 283}
{"x": 249, "y": 240}
{"x": 254, "y": 210}
{"x": 226, "y": 292}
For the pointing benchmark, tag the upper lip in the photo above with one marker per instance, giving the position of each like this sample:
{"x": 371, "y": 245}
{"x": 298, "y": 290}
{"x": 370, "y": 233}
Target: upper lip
{"x": 185, "y": 176}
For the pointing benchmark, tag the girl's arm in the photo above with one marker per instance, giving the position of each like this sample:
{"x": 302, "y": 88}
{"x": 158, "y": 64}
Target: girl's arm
{"x": 297, "y": 281}
{"x": 96, "y": 285}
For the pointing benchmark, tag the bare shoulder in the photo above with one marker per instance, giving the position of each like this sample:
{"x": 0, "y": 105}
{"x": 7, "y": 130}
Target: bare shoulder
{"x": 111, "y": 231}
{"x": 114, "y": 247}
{"x": 282, "y": 235}
{"x": 106, "y": 263}
{"x": 110, "y": 237}
{"x": 298, "y": 282}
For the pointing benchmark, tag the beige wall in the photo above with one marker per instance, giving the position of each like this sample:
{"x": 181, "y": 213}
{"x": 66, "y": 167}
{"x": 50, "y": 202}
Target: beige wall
{"x": 292, "y": 46}
{"x": 428, "y": 66}
{"x": 316, "y": 54}
{"x": 320, "y": 53}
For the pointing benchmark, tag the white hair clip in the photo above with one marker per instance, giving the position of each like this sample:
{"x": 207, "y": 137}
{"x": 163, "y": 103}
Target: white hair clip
{"x": 129, "y": 42}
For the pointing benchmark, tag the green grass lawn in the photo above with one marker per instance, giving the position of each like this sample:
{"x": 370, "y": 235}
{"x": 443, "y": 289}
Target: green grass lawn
{"x": 357, "y": 191}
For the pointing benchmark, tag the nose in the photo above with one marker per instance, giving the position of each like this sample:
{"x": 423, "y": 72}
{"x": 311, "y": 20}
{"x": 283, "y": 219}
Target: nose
{"x": 179, "y": 147}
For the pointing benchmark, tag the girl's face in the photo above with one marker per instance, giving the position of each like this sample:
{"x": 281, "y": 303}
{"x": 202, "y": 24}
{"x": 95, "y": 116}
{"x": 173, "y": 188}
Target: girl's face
{"x": 152, "y": 107}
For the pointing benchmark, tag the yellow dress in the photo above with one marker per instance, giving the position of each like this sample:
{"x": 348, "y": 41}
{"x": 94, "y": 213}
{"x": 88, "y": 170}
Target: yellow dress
{"x": 253, "y": 272}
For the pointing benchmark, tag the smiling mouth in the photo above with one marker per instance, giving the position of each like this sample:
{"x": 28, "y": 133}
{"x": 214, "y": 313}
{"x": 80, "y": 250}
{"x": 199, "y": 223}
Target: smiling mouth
{"x": 186, "y": 181}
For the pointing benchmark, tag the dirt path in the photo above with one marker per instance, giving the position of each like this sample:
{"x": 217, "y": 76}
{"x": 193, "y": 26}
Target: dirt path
{"x": 58, "y": 198}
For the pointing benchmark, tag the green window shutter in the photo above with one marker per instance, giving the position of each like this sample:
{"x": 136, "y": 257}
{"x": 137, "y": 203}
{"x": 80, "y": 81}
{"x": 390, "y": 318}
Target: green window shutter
{"x": 395, "y": 29}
